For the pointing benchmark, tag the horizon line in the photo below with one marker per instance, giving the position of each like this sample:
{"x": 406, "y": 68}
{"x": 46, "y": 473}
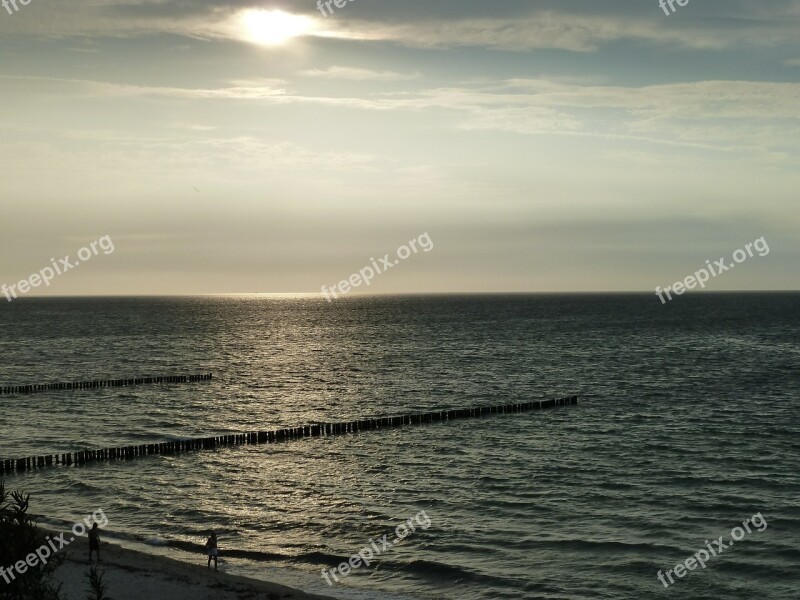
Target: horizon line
{"x": 383, "y": 294}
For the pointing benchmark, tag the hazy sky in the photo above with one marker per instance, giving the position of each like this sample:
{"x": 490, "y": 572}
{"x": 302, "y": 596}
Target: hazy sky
{"x": 543, "y": 145}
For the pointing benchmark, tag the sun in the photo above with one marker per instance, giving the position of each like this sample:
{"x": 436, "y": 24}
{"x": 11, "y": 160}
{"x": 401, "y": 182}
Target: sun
{"x": 274, "y": 27}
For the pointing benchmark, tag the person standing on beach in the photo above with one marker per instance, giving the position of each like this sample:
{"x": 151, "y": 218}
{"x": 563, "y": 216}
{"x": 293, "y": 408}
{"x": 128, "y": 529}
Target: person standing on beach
{"x": 94, "y": 542}
{"x": 211, "y": 549}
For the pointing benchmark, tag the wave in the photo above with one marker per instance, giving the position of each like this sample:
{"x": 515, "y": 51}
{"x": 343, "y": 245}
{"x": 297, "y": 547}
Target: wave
{"x": 431, "y": 569}
{"x": 438, "y": 570}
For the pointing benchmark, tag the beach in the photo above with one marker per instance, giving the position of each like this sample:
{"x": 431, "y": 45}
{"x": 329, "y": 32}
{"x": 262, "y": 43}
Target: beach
{"x": 132, "y": 575}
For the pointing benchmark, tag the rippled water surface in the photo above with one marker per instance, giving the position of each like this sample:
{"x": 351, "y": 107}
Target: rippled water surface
{"x": 687, "y": 425}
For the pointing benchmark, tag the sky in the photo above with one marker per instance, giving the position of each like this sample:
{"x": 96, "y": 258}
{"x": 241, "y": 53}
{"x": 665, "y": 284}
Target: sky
{"x": 263, "y": 147}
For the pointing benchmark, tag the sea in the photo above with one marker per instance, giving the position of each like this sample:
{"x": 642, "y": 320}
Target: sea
{"x": 687, "y": 427}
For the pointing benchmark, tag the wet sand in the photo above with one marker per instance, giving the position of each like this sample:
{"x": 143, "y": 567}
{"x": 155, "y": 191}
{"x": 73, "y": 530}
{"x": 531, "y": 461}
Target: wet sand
{"x": 132, "y": 575}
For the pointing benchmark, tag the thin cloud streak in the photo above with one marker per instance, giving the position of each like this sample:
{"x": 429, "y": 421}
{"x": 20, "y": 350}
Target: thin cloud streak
{"x": 710, "y": 114}
{"x": 357, "y": 74}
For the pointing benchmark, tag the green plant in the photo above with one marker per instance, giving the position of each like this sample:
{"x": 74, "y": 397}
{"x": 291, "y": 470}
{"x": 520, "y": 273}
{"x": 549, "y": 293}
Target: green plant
{"x": 19, "y": 538}
{"x": 97, "y": 587}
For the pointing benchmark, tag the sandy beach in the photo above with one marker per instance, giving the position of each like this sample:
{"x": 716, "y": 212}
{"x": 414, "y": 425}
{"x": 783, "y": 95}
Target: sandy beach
{"x": 132, "y": 575}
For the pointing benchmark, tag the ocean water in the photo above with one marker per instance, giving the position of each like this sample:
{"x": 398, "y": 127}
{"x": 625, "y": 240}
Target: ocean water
{"x": 687, "y": 425}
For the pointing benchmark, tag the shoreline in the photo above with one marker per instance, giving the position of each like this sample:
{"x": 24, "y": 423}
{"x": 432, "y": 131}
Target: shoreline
{"x": 134, "y": 575}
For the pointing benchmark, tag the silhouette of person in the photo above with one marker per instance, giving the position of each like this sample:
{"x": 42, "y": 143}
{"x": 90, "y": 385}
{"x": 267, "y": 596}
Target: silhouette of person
{"x": 212, "y": 550}
{"x": 94, "y": 542}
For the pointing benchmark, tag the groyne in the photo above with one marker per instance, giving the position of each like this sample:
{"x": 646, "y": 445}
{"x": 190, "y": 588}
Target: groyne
{"x": 275, "y": 436}
{"x": 100, "y": 383}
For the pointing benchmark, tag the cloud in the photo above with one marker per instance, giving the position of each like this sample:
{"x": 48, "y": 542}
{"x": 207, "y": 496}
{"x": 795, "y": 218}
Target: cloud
{"x": 357, "y": 74}
{"x": 711, "y": 99}
{"x": 512, "y": 28}
{"x": 751, "y": 116}
{"x": 241, "y": 90}
{"x": 702, "y": 99}
{"x": 579, "y": 33}
{"x": 526, "y": 119}
{"x": 229, "y": 161}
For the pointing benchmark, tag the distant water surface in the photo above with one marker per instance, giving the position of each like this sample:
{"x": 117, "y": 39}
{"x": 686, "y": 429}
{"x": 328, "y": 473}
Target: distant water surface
{"x": 688, "y": 425}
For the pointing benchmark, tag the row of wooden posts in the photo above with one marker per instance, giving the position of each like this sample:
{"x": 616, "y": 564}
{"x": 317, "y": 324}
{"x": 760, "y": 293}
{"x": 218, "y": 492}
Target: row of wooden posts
{"x": 271, "y": 437}
{"x": 101, "y": 383}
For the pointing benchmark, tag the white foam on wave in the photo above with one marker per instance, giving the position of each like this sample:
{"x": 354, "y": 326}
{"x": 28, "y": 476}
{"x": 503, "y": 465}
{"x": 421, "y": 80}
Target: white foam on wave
{"x": 156, "y": 541}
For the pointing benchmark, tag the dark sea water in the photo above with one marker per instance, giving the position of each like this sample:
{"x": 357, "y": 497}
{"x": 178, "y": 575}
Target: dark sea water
{"x": 688, "y": 424}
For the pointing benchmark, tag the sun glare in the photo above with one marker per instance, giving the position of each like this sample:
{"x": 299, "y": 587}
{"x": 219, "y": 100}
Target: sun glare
{"x": 274, "y": 27}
